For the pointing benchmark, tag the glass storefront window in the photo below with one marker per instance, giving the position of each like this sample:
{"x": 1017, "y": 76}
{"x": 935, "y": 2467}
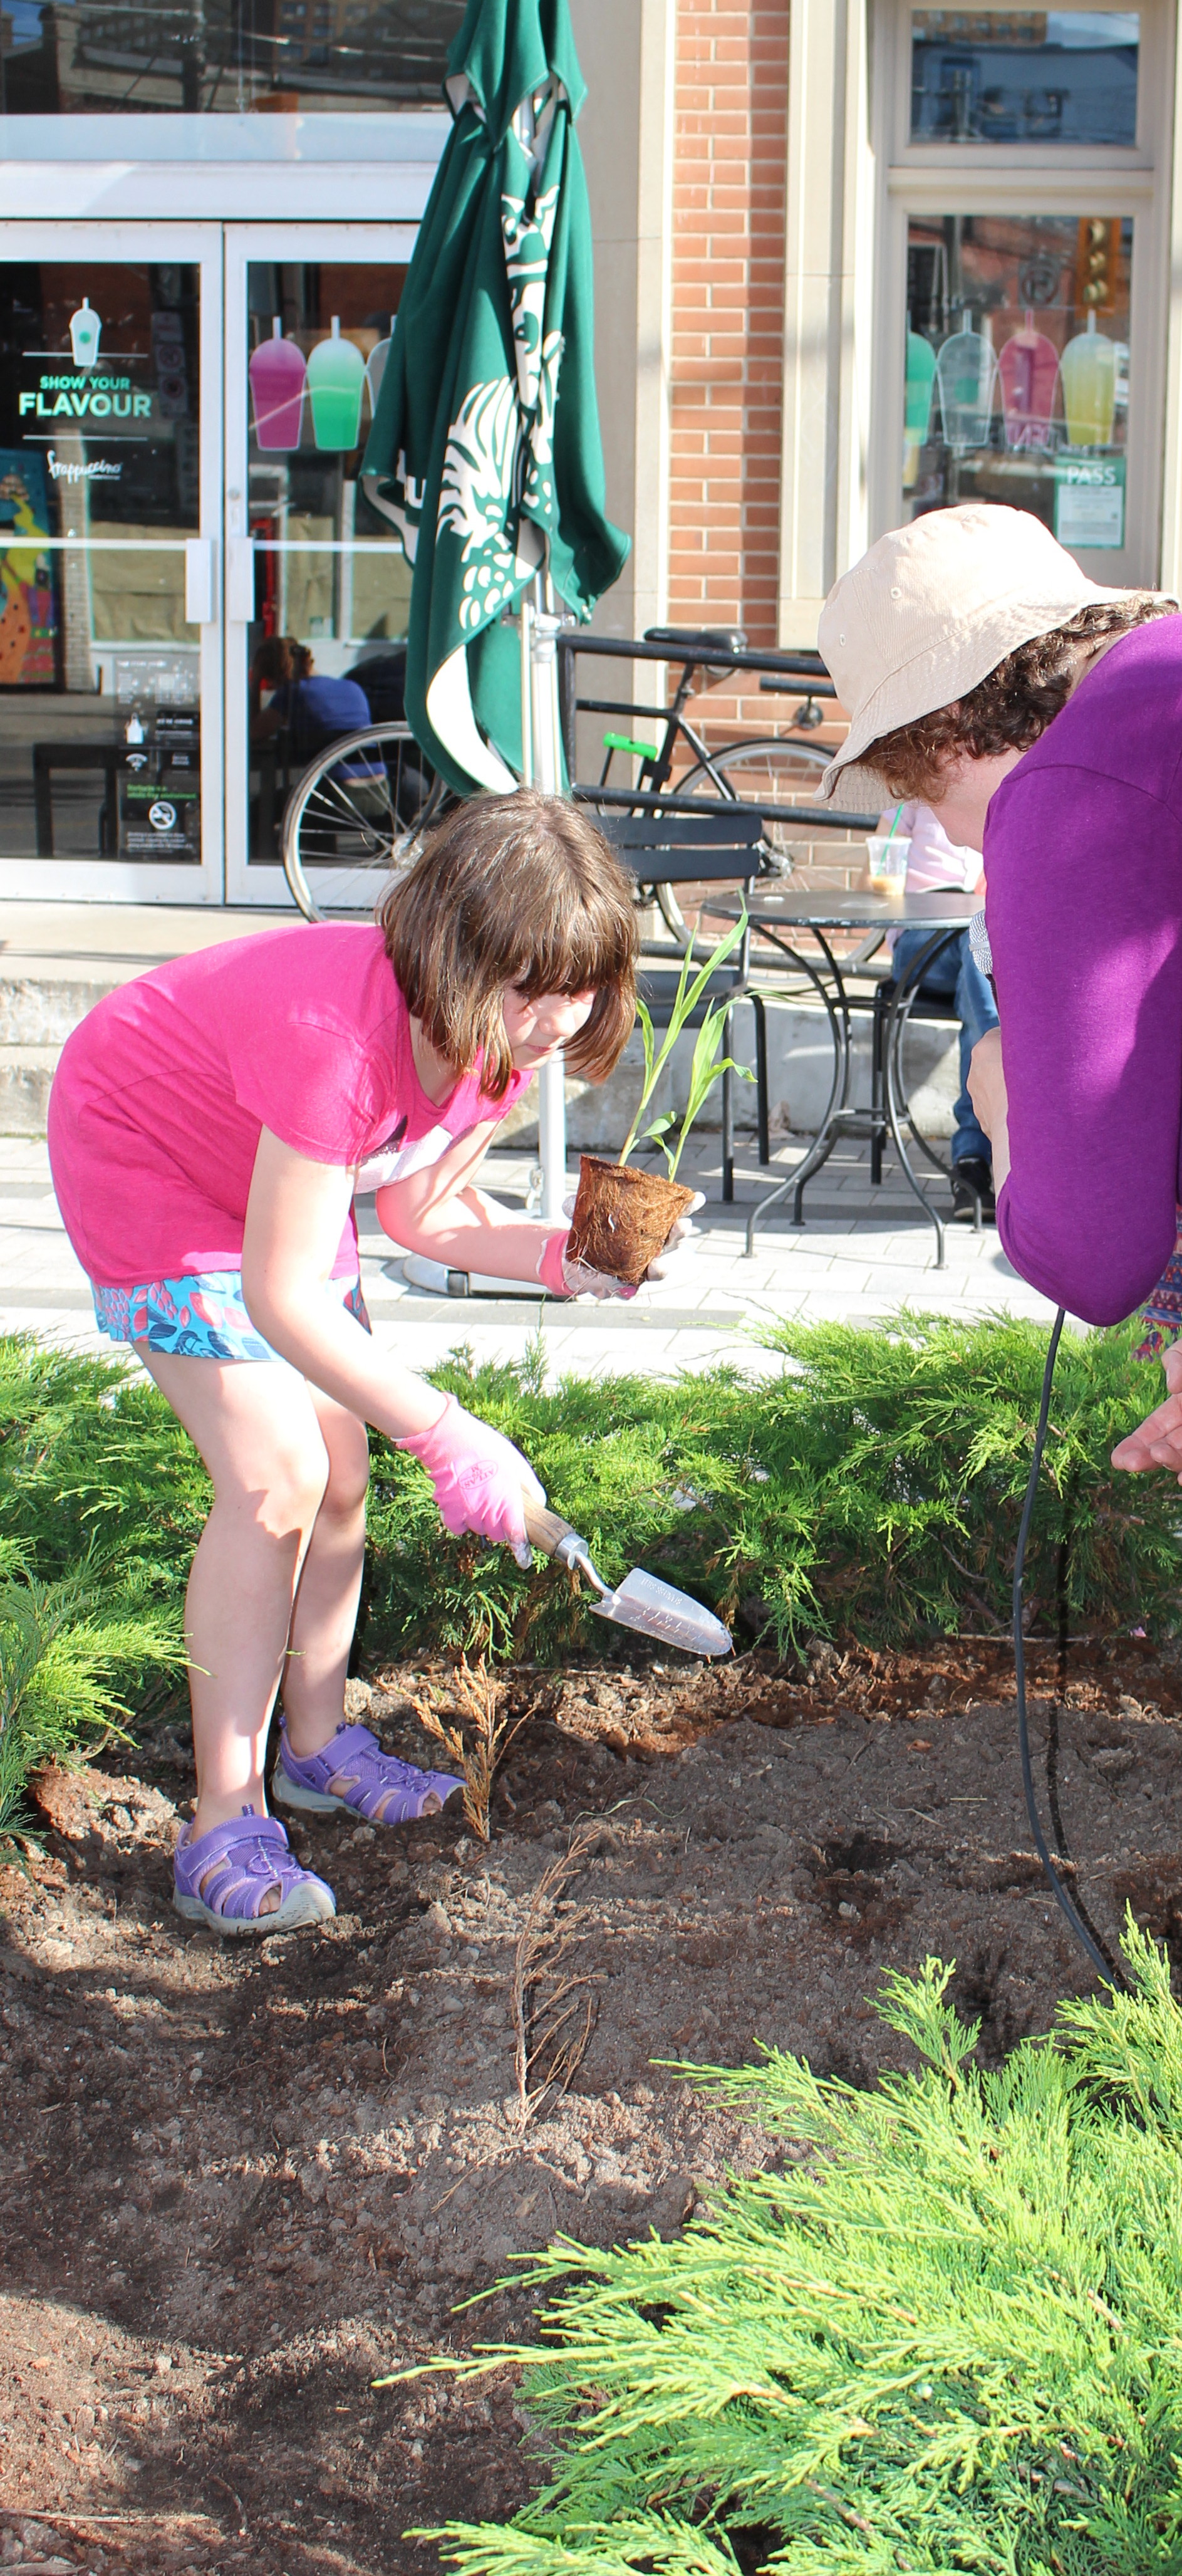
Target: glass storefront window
{"x": 1024, "y": 75}
{"x": 99, "y": 671}
{"x": 296, "y": 57}
{"x": 1017, "y": 368}
{"x": 332, "y": 585}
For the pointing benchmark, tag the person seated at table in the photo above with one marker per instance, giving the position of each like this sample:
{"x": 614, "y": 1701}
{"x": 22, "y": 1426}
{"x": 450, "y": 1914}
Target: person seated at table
{"x": 935, "y": 861}
{"x": 304, "y": 702}
{"x": 315, "y": 710}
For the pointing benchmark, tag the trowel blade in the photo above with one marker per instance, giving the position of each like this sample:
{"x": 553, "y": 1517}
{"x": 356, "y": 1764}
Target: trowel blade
{"x": 659, "y": 1610}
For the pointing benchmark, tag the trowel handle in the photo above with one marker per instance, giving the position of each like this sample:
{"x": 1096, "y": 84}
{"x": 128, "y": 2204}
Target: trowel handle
{"x": 546, "y": 1530}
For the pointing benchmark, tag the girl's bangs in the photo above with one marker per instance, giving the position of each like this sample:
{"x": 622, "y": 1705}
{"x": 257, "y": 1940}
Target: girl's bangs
{"x": 579, "y": 956}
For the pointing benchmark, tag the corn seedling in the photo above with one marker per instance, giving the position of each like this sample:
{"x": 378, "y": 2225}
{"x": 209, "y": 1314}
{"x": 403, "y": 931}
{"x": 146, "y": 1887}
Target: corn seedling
{"x": 468, "y": 1717}
{"x": 553, "y": 2009}
{"x": 707, "y": 1067}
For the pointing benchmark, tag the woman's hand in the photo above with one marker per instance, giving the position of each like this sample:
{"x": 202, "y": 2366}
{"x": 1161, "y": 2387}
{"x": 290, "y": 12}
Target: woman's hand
{"x": 987, "y": 1091}
{"x": 1157, "y": 1442}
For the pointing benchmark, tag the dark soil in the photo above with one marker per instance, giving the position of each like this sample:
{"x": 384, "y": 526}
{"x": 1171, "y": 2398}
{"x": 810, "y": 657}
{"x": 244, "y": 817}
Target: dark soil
{"x": 241, "y": 2182}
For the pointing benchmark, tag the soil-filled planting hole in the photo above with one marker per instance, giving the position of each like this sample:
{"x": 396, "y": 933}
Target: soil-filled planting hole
{"x": 240, "y": 2184}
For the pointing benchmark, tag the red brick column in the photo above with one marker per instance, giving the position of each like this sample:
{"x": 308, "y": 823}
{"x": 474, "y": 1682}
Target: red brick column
{"x": 729, "y": 211}
{"x": 728, "y": 313}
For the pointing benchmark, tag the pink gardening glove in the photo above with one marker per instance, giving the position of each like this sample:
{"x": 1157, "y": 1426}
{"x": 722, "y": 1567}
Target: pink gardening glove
{"x": 566, "y": 1278}
{"x": 480, "y": 1479}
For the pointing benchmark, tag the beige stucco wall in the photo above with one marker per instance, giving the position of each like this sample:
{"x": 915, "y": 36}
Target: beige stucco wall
{"x": 626, "y": 129}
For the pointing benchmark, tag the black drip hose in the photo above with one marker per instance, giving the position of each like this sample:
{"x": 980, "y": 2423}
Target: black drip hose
{"x": 1102, "y": 1965}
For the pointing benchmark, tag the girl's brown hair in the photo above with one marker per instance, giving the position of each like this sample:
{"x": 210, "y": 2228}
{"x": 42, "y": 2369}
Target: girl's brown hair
{"x": 514, "y": 890}
{"x": 1009, "y": 709}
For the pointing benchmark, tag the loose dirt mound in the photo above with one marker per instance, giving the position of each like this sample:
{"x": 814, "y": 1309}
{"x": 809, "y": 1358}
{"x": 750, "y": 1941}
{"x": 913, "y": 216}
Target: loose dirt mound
{"x": 240, "y": 2183}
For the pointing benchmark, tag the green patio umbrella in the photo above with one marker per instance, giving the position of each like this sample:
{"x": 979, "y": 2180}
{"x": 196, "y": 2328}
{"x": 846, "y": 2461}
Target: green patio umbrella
{"x": 485, "y": 449}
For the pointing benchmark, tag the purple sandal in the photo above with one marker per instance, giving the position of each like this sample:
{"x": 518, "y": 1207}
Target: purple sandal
{"x": 240, "y": 1861}
{"x": 373, "y": 1784}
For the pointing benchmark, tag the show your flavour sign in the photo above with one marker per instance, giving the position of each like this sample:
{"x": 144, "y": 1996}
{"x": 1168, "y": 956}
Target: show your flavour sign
{"x": 97, "y": 395}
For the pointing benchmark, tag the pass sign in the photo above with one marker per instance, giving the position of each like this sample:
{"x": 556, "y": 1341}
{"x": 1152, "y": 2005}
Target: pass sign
{"x": 1090, "y": 501}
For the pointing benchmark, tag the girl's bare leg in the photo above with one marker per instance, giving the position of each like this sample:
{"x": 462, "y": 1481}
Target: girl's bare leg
{"x": 256, "y": 1427}
{"x": 329, "y": 1587}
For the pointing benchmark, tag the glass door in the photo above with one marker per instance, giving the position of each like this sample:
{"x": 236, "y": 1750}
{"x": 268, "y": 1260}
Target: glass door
{"x": 110, "y": 503}
{"x": 317, "y": 586}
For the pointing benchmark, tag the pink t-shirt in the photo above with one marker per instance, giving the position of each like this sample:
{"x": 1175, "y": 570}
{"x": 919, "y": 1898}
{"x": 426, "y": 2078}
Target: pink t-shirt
{"x": 163, "y": 1091}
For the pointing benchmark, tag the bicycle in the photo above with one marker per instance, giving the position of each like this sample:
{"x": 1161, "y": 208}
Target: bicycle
{"x": 359, "y": 809}
{"x": 773, "y": 771}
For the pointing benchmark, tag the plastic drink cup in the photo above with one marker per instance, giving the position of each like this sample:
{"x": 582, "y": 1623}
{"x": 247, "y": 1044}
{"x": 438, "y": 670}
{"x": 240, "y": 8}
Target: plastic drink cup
{"x": 336, "y": 382}
{"x": 85, "y": 326}
{"x": 277, "y": 374}
{"x": 886, "y": 860}
{"x": 375, "y": 368}
{"x": 1087, "y": 371}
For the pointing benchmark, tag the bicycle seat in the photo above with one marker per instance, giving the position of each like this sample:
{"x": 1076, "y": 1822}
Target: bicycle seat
{"x": 691, "y": 639}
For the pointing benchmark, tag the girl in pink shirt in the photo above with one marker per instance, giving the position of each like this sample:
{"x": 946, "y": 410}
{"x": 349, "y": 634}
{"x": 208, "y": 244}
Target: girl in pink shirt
{"x": 206, "y": 1128}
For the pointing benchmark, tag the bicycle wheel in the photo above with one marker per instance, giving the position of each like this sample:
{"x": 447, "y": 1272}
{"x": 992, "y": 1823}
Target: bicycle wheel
{"x": 355, "y": 818}
{"x": 767, "y": 770}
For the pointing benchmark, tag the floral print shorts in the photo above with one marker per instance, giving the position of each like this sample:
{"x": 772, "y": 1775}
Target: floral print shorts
{"x": 202, "y": 1316}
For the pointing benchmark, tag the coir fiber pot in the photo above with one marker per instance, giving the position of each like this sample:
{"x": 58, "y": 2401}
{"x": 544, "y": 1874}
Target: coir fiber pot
{"x": 623, "y": 1218}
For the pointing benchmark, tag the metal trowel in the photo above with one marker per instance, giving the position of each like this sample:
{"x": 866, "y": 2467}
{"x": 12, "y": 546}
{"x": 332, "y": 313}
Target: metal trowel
{"x": 641, "y": 1601}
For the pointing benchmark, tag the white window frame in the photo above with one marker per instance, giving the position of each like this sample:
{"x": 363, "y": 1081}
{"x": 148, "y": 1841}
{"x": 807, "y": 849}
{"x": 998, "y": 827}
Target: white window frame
{"x": 100, "y": 880}
{"x": 1068, "y": 180}
{"x": 384, "y": 244}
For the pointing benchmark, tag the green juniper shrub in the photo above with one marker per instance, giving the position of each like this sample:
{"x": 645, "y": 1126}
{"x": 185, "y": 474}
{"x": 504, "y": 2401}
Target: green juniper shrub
{"x": 871, "y": 1488}
{"x": 868, "y": 1487}
{"x": 66, "y": 1650}
{"x": 945, "y": 2338}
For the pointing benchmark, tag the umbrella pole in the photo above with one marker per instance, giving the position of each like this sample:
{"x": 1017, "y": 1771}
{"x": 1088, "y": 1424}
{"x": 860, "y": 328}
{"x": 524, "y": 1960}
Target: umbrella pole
{"x": 542, "y": 765}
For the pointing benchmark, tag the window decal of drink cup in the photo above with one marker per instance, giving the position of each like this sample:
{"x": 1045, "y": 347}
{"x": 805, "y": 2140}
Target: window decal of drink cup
{"x": 336, "y": 382}
{"x": 1029, "y": 368}
{"x": 85, "y": 330}
{"x": 966, "y": 381}
{"x": 376, "y": 367}
{"x": 1087, "y": 371}
{"x": 277, "y": 377}
{"x": 917, "y": 408}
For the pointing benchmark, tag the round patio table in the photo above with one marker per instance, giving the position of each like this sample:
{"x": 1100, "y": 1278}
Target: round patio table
{"x": 778, "y": 920}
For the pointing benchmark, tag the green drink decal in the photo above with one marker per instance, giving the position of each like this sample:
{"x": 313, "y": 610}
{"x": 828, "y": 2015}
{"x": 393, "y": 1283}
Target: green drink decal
{"x": 336, "y": 382}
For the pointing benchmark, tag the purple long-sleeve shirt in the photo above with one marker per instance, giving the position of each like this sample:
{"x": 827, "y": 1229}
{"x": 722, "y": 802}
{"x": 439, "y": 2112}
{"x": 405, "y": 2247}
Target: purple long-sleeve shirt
{"x": 1083, "y": 864}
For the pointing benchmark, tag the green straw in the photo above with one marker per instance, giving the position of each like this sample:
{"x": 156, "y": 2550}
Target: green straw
{"x": 895, "y": 825}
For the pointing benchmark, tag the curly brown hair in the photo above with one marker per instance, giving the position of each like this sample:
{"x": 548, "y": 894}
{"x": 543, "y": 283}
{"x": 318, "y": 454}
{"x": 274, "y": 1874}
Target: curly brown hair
{"x": 515, "y": 890}
{"x": 1009, "y": 709}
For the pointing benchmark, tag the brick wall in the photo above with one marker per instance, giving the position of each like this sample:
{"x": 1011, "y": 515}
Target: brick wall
{"x": 728, "y": 312}
{"x": 728, "y": 347}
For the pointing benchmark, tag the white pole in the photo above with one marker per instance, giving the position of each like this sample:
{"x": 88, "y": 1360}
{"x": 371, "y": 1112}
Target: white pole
{"x": 546, "y": 770}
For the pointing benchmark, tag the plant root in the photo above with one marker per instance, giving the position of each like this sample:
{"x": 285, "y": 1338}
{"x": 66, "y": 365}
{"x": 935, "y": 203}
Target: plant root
{"x": 553, "y": 2013}
{"x": 478, "y": 1743}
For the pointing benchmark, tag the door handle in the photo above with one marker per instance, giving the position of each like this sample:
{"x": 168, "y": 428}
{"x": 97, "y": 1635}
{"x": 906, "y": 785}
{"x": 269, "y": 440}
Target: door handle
{"x": 240, "y": 604}
{"x": 200, "y": 589}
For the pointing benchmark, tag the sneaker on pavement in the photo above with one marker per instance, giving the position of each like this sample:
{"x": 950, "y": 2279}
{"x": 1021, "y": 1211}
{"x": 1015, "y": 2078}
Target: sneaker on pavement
{"x": 972, "y": 1190}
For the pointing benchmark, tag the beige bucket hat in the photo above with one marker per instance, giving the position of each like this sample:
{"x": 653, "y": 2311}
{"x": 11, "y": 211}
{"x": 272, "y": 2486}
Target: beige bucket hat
{"x": 930, "y": 611}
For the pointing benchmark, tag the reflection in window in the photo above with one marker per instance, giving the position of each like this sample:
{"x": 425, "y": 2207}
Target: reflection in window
{"x": 1017, "y": 368}
{"x": 88, "y": 58}
{"x": 1024, "y": 75}
{"x": 332, "y": 585}
{"x": 100, "y": 728}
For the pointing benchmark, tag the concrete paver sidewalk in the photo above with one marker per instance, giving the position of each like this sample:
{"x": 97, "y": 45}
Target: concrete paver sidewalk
{"x": 862, "y": 1254}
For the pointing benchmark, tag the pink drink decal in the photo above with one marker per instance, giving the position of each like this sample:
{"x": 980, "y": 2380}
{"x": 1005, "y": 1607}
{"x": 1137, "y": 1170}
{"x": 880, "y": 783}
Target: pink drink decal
{"x": 1029, "y": 369}
{"x": 277, "y": 378}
